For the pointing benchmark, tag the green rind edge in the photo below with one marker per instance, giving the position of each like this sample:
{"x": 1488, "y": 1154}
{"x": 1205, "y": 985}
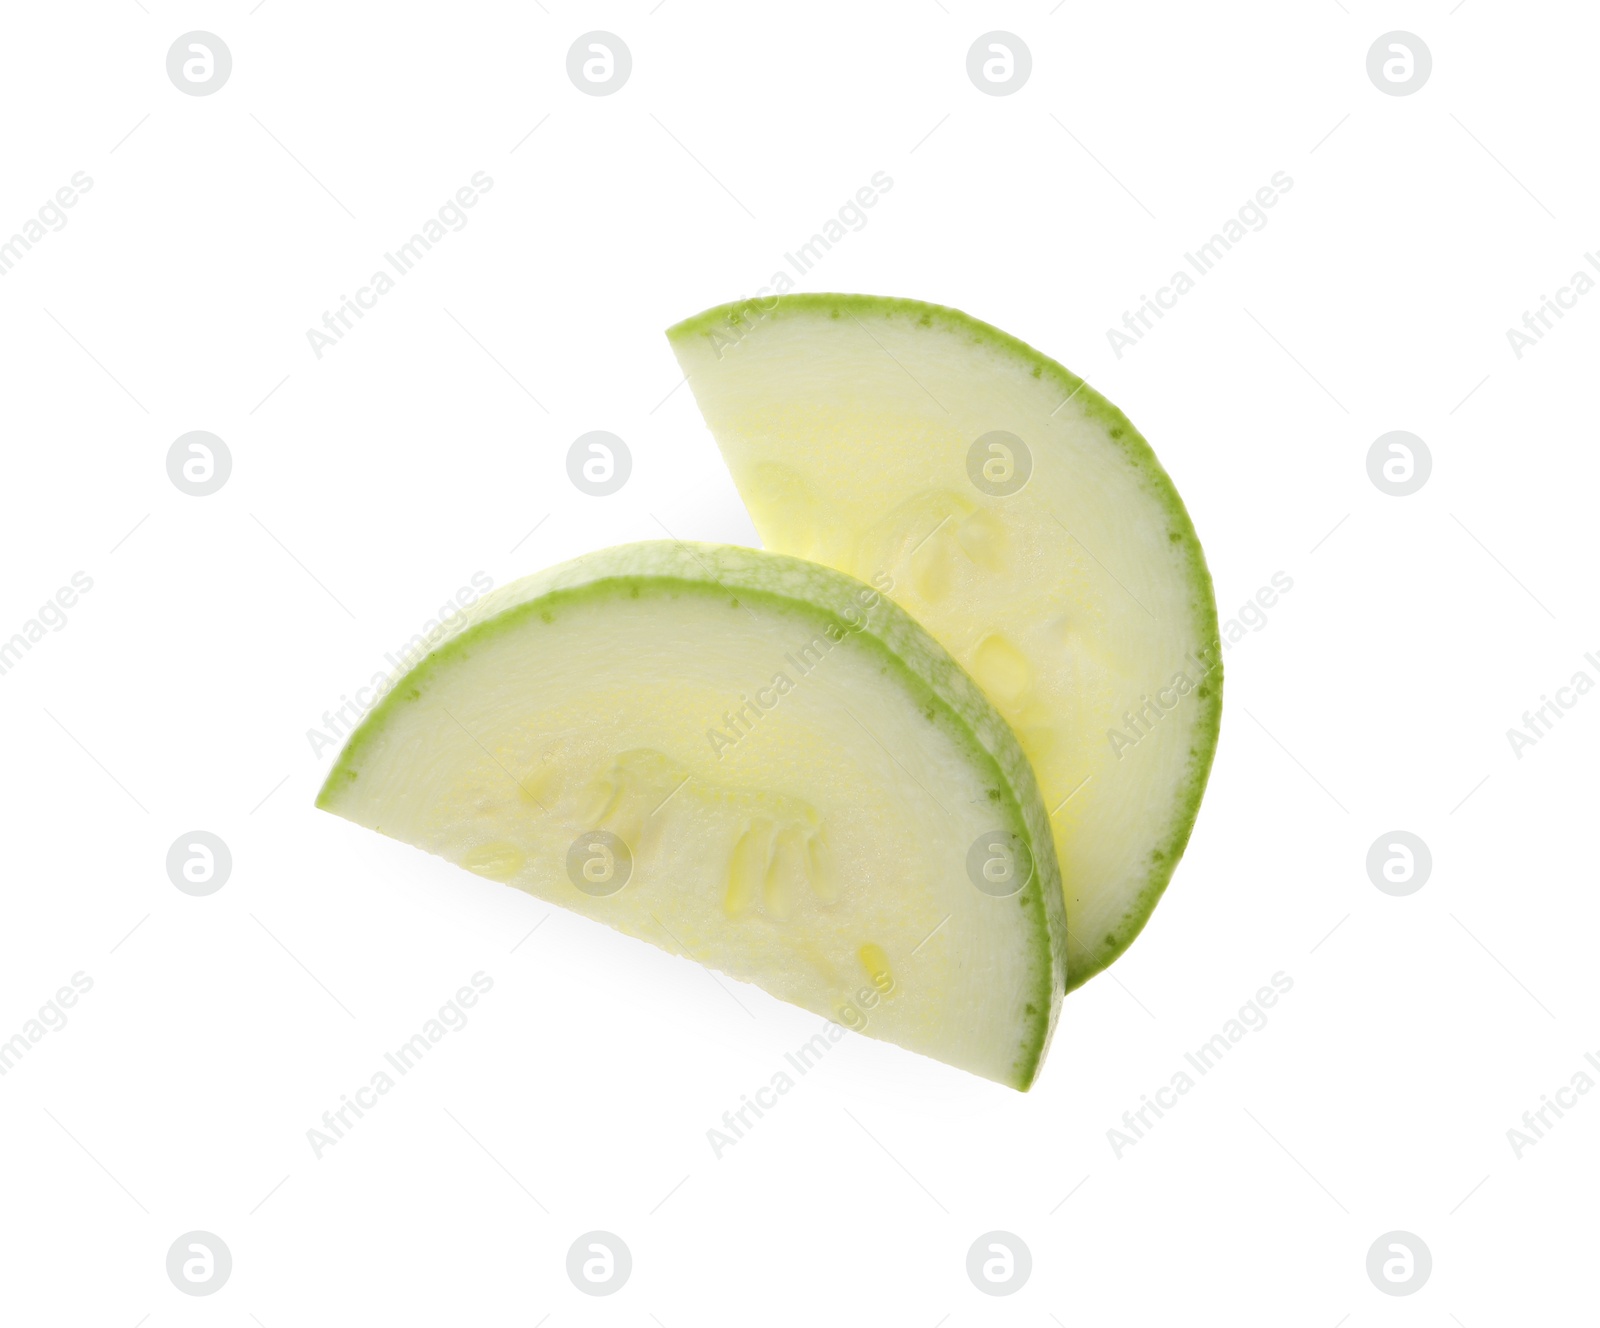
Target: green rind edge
{"x": 902, "y": 643}
{"x": 1141, "y": 456}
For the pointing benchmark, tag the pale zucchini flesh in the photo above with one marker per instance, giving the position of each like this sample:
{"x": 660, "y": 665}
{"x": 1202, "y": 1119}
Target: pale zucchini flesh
{"x": 1024, "y": 522}
{"x": 794, "y": 770}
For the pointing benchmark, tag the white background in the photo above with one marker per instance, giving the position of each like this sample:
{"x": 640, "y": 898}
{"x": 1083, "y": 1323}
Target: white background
{"x": 370, "y": 484}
